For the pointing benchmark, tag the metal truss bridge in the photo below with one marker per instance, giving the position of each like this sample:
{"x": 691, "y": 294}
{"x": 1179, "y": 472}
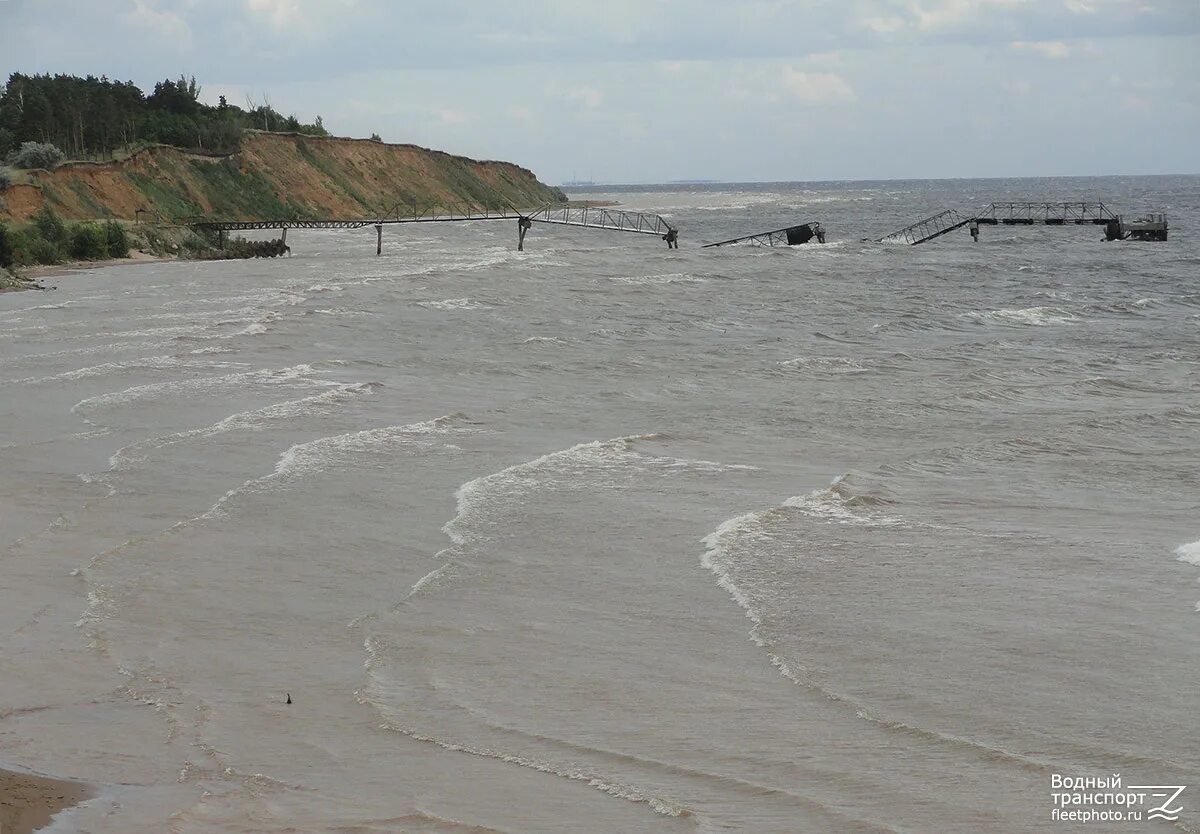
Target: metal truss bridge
{"x": 1021, "y": 213}
{"x": 585, "y": 217}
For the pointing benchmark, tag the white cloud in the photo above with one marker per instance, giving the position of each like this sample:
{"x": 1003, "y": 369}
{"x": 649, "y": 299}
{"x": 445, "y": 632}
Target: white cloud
{"x": 817, "y": 87}
{"x": 165, "y": 24}
{"x": 452, "y": 117}
{"x": 308, "y": 18}
{"x": 1047, "y": 49}
{"x": 589, "y": 97}
{"x": 885, "y": 24}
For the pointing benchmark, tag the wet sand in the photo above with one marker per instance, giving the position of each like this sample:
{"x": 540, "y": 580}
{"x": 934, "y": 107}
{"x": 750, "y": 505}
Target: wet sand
{"x": 52, "y": 270}
{"x": 28, "y": 802}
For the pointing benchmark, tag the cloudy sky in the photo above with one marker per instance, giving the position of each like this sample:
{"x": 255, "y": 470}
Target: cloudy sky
{"x": 660, "y": 90}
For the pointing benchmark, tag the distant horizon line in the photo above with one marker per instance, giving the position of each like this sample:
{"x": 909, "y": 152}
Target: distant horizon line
{"x": 607, "y": 184}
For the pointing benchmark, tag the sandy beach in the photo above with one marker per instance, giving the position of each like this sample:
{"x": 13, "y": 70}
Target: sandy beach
{"x": 37, "y": 273}
{"x": 28, "y": 802}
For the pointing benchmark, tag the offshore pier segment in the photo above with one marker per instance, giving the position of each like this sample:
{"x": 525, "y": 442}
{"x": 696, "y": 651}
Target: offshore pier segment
{"x": 1029, "y": 213}
{"x": 588, "y": 217}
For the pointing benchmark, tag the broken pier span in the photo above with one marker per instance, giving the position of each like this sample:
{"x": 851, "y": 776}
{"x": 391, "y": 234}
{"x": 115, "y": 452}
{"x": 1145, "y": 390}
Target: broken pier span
{"x": 588, "y": 217}
{"x": 787, "y": 236}
{"x": 1029, "y": 213}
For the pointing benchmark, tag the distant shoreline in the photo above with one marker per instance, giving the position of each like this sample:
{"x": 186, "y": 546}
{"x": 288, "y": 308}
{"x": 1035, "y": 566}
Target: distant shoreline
{"x": 28, "y": 277}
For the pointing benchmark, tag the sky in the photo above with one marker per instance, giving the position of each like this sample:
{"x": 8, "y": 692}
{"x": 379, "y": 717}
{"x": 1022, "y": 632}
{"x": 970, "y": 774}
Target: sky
{"x": 663, "y": 90}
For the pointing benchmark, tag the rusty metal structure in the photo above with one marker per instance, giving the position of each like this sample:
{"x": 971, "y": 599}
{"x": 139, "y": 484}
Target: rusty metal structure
{"x": 589, "y": 217}
{"x": 930, "y": 227}
{"x": 1051, "y": 214}
{"x": 1029, "y": 213}
{"x": 787, "y": 236}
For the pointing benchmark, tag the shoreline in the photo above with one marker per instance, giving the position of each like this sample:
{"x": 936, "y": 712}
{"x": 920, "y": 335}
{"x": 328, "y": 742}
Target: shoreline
{"x": 35, "y": 273}
{"x": 28, "y": 801}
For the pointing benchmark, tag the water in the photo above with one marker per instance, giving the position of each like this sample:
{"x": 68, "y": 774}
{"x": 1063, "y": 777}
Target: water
{"x": 610, "y": 537}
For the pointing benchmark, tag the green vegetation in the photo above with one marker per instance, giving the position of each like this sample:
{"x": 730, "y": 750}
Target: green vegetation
{"x": 36, "y": 155}
{"x": 7, "y": 256}
{"x": 48, "y": 240}
{"x": 94, "y": 117}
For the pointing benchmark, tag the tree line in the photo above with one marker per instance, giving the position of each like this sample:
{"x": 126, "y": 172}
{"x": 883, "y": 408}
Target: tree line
{"x": 90, "y": 117}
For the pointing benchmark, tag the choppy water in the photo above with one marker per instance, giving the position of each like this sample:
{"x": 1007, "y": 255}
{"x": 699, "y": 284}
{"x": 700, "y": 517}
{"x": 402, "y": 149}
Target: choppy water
{"x": 607, "y": 537}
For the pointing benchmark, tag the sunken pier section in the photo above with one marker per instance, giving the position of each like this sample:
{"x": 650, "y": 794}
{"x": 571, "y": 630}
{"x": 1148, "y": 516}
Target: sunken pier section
{"x": 1029, "y": 213}
{"x": 788, "y": 236}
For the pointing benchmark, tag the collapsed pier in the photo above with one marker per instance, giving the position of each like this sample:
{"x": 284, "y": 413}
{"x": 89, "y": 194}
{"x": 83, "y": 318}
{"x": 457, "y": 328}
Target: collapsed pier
{"x": 787, "y": 236}
{"x": 1152, "y": 227}
{"x": 1029, "y": 213}
{"x": 588, "y": 217}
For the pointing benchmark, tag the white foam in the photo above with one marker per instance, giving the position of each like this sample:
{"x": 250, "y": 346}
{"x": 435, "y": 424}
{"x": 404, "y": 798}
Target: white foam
{"x": 453, "y": 304}
{"x": 830, "y": 505}
{"x": 826, "y": 364}
{"x": 562, "y": 468}
{"x": 1189, "y": 553}
{"x": 1032, "y": 316}
{"x": 666, "y": 278}
{"x": 258, "y": 419}
{"x": 314, "y": 456}
{"x": 296, "y": 374}
{"x": 157, "y": 363}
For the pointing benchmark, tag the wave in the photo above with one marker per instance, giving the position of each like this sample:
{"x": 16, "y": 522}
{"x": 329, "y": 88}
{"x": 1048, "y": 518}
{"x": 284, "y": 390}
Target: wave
{"x": 474, "y": 497}
{"x": 667, "y": 278}
{"x": 1031, "y": 316}
{"x": 826, "y": 364}
{"x": 296, "y": 374}
{"x": 454, "y": 304}
{"x": 1189, "y": 553}
{"x": 156, "y": 363}
{"x": 733, "y": 545}
{"x": 314, "y": 456}
{"x": 109, "y": 347}
{"x": 606, "y": 784}
{"x": 259, "y": 419}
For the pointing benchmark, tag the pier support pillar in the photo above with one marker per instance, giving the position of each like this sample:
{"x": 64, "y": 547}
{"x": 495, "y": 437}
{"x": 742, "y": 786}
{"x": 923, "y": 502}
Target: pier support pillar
{"x": 221, "y": 239}
{"x": 672, "y": 239}
{"x": 974, "y": 229}
{"x": 378, "y": 238}
{"x": 524, "y": 224}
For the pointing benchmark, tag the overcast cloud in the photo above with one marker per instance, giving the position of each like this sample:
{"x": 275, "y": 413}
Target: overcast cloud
{"x": 657, "y": 90}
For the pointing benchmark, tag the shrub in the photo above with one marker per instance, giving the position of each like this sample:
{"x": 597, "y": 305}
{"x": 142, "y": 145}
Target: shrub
{"x": 31, "y": 248}
{"x": 36, "y": 155}
{"x": 7, "y": 256}
{"x": 5, "y": 178}
{"x": 50, "y": 227}
{"x": 89, "y": 242}
{"x": 117, "y": 240}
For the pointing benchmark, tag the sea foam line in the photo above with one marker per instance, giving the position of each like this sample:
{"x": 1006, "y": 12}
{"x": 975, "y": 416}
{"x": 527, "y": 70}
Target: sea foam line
{"x": 273, "y": 376}
{"x": 521, "y": 477}
{"x": 258, "y": 419}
